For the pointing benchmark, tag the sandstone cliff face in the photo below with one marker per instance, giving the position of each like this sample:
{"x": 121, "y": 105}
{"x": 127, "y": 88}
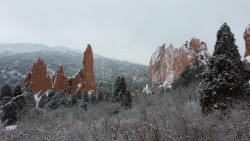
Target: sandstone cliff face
{"x": 166, "y": 64}
{"x": 84, "y": 80}
{"x": 37, "y": 79}
{"x": 247, "y": 45}
{"x": 59, "y": 80}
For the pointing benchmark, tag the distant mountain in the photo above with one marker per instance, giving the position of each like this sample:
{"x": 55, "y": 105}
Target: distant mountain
{"x": 17, "y": 59}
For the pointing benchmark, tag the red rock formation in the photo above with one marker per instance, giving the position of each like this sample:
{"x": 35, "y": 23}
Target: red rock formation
{"x": 38, "y": 80}
{"x": 84, "y": 80}
{"x": 59, "y": 80}
{"x": 247, "y": 45}
{"x": 166, "y": 64}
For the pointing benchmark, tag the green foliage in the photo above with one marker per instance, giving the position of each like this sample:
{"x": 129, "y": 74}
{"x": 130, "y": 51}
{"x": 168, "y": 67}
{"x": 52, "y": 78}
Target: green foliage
{"x": 9, "y": 113}
{"x": 188, "y": 75}
{"x": 19, "y": 101}
{"x": 120, "y": 94}
{"x": 100, "y": 96}
{"x": 42, "y": 101}
{"x": 223, "y": 78}
{"x": 57, "y": 100}
{"x": 92, "y": 98}
{"x": 73, "y": 99}
{"x": 79, "y": 94}
{"x": 50, "y": 95}
{"x": 30, "y": 101}
{"x": 85, "y": 96}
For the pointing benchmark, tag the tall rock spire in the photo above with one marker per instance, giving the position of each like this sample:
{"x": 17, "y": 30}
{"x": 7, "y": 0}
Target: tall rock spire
{"x": 84, "y": 80}
{"x": 59, "y": 80}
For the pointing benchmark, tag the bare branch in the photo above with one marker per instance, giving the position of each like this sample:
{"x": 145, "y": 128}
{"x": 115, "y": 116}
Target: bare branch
{"x": 14, "y": 98}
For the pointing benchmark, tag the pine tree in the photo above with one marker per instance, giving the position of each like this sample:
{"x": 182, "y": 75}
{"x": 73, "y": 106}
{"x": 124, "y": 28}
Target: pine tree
{"x": 42, "y": 101}
{"x": 57, "y": 100}
{"x": 222, "y": 78}
{"x": 121, "y": 95}
{"x": 50, "y": 95}
{"x": 100, "y": 96}
{"x": 122, "y": 85}
{"x": 85, "y": 96}
{"x": 79, "y": 94}
{"x": 115, "y": 97}
{"x": 19, "y": 101}
{"x": 92, "y": 98}
{"x": 73, "y": 99}
{"x": 8, "y": 110}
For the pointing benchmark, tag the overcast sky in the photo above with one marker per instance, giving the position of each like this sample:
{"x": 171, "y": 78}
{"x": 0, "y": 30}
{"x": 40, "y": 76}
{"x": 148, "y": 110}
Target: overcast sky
{"x": 122, "y": 29}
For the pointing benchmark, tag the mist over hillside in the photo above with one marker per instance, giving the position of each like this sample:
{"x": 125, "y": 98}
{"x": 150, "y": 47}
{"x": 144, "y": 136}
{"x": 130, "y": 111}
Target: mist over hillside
{"x": 17, "y": 59}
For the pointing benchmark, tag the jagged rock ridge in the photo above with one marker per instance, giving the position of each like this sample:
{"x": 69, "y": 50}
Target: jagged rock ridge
{"x": 166, "y": 64}
{"x": 84, "y": 80}
{"x": 59, "y": 80}
{"x": 37, "y": 80}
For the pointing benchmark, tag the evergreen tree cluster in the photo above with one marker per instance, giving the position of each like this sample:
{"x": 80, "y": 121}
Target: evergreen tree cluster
{"x": 121, "y": 94}
{"x": 10, "y": 110}
{"x": 223, "y": 78}
{"x": 188, "y": 75}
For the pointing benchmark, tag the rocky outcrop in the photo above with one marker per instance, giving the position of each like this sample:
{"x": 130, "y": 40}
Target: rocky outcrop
{"x": 59, "y": 80}
{"x": 247, "y": 45}
{"x": 166, "y": 64}
{"x": 84, "y": 80}
{"x": 37, "y": 80}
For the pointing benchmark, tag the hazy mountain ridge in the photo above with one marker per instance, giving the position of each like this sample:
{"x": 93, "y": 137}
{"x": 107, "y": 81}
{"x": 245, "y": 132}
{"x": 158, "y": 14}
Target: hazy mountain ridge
{"x": 16, "y": 61}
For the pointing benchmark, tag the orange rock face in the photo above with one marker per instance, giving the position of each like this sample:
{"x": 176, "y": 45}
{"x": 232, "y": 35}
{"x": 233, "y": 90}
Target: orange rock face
{"x": 166, "y": 64}
{"x": 38, "y": 80}
{"x": 59, "y": 80}
{"x": 84, "y": 80}
{"x": 247, "y": 45}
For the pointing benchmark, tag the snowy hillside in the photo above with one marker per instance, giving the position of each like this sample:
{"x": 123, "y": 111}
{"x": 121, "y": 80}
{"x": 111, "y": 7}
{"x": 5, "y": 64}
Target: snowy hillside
{"x": 17, "y": 59}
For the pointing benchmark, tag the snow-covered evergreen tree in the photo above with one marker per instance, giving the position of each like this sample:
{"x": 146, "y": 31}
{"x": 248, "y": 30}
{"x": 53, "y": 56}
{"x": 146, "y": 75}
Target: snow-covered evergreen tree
{"x": 73, "y": 99}
{"x": 9, "y": 113}
{"x": 85, "y": 96}
{"x": 222, "y": 78}
{"x": 115, "y": 96}
{"x": 121, "y": 94}
{"x": 19, "y": 101}
{"x": 79, "y": 94}
{"x": 100, "y": 96}
{"x": 92, "y": 98}
{"x": 42, "y": 101}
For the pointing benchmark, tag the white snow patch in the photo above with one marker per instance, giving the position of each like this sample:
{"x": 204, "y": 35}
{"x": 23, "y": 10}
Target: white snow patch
{"x": 155, "y": 55}
{"x": 247, "y": 59}
{"x": 147, "y": 90}
{"x": 11, "y": 127}
{"x": 37, "y": 99}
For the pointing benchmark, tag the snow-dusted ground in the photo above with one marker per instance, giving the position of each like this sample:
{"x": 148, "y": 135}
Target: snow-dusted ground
{"x": 11, "y": 127}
